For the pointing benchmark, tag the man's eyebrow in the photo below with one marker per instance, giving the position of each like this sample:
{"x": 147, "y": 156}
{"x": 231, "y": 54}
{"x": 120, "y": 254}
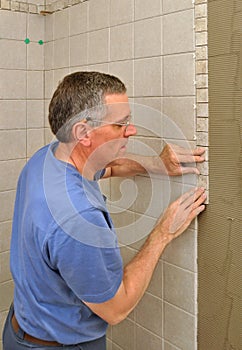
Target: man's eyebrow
{"x": 126, "y": 117}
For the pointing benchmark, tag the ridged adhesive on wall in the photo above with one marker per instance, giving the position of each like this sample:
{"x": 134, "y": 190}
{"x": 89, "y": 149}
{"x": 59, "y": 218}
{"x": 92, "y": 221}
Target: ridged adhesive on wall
{"x": 219, "y": 255}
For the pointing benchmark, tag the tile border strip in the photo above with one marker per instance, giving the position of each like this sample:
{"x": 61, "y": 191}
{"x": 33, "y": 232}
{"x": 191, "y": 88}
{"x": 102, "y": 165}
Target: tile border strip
{"x": 201, "y": 82}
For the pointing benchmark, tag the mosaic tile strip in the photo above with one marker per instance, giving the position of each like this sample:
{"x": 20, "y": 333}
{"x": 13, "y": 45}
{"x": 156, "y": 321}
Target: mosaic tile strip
{"x": 202, "y": 110}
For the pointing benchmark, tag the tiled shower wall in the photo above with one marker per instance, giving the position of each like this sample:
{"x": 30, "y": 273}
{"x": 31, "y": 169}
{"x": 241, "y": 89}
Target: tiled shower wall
{"x": 153, "y": 47}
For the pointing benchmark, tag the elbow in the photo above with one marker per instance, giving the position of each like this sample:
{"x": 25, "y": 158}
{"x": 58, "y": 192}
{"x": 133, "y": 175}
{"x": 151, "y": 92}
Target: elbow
{"x": 116, "y": 319}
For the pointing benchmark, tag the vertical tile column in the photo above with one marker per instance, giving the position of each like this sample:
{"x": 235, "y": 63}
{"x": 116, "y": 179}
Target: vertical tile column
{"x": 201, "y": 33}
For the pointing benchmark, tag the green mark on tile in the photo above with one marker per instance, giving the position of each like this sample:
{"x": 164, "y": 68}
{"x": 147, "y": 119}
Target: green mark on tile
{"x": 27, "y": 41}
{"x": 41, "y": 42}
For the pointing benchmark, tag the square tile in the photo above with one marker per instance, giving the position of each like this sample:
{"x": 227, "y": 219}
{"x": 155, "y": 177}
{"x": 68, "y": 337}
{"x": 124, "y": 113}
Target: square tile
{"x": 121, "y": 11}
{"x": 13, "y": 25}
{"x": 124, "y": 70}
{"x": 179, "y": 287}
{"x": 147, "y": 340}
{"x": 35, "y": 84}
{"x": 174, "y": 76}
{"x": 12, "y": 144}
{"x": 78, "y": 18}
{"x": 10, "y": 171}
{"x": 61, "y": 24}
{"x": 98, "y": 49}
{"x": 148, "y": 314}
{"x": 5, "y": 235}
{"x": 178, "y": 32}
{"x": 182, "y": 251}
{"x": 78, "y": 50}
{"x": 148, "y": 40}
{"x": 13, "y": 54}
{"x": 12, "y": 84}
{"x": 144, "y": 8}
{"x": 121, "y": 49}
{"x": 99, "y": 14}
{"x": 179, "y": 327}
{"x": 179, "y": 117}
{"x": 7, "y": 199}
{"x": 12, "y": 114}
{"x": 147, "y": 77}
{"x": 123, "y": 334}
{"x": 176, "y": 5}
{"x": 61, "y": 53}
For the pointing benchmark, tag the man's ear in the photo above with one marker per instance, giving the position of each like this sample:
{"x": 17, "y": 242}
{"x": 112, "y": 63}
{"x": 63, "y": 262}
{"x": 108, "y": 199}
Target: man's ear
{"x": 80, "y": 133}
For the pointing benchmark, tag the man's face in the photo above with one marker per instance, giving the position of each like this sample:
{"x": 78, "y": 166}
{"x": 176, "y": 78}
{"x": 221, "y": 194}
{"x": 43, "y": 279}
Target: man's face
{"x": 109, "y": 140}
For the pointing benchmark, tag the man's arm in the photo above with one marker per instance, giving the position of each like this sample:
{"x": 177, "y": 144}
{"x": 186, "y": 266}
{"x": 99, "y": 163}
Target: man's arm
{"x": 173, "y": 161}
{"x": 138, "y": 273}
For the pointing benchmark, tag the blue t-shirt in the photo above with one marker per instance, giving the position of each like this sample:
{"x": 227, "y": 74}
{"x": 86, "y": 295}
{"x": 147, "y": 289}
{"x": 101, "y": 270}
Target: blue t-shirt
{"x": 64, "y": 250}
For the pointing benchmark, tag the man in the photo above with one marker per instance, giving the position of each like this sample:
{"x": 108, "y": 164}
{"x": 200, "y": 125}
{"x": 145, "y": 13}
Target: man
{"x": 65, "y": 260}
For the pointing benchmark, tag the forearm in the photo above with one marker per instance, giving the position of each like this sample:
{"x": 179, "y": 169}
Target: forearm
{"x": 138, "y": 273}
{"x": 134, "y": 164}
{"x": 136, "y": 278}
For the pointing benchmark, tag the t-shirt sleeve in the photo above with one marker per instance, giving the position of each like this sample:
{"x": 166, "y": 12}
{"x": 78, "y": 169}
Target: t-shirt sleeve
{"x": 94, "y": 273}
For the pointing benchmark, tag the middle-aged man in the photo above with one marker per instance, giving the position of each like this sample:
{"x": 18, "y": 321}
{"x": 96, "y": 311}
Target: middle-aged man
{"x": 70, "y": 282}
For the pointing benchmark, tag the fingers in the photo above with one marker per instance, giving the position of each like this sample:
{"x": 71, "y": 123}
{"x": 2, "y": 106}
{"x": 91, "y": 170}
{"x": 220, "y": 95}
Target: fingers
{"x": 185, "y": 155}
{"x": 191, "y": 197}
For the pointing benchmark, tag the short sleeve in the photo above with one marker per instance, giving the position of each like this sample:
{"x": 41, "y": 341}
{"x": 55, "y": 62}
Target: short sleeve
{"x": 93, "y": 273}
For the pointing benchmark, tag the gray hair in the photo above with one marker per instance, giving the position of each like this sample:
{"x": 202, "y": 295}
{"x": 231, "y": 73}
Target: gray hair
{"x": 77, "y": 96}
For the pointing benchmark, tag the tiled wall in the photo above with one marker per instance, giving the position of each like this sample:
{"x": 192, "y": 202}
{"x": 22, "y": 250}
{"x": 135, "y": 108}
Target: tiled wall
{"x": 21, "y": 119}
{"x": 152, "y": 46}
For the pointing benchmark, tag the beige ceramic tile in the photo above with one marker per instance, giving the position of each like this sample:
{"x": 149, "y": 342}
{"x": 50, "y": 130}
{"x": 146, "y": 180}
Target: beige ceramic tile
{"x": 12, "y": 84}
{"x": 123, "y": 334}
{"x": 78, "y": 18}
{"x": 5, "y": 274}
{"x": 179, "y": 117}
{"x": 35, "y": 27}
{"x": 10, "y": 171}
{"x": 13, "y": 25}
{"x": 124, "y": 71}
{"x": 49, "y": 28}
{"x": 155, "y": 286}
{"x": 49, "y": 84}
{"x": 35, "y": 140}
{"x": 121, "y": 11}
{"x": 176, "y": 5}
{"x": 144, "y": 8}
{"x": 121, "y": 42}
{"x": 178, "y": 32}
{"x": 61, "y": 53}
{"x": 7, "y": 199}
{"x": 6, "y": 295}
{"x": 182, "y": 251}
{"x": 12, "y": 114}
{"x": 179, "y": 287}
{"x": 147, "y": 340}
{"x": 61, "y": 24}
{"x": 48, "y": 55}
{"x": 150, "y": 199}
{"x": 12, "y": 144}
{"x": 35, "y": 56}
{"x": 179, "y": 327}
{"x": 35, "y": 85}
{"x": 98, "y": 50}
{"x": 35, "y": 114}
{"x": 147, "y": 116}
{"x": 148, "y": 41}
{"x": 99, "y": 14}
{"x": 13, "y": 54}
{"x": 175, "y": 78}
{"x": 78, "y": 50}
{"x": 147, "y": 75}
{"x": 148, "y": 313}
{"x": 5, "y": 235}
{"x": 169, "y": 346}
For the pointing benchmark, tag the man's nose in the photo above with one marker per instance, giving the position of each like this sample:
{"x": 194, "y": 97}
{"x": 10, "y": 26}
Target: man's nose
{"x": 130, "y": 130}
